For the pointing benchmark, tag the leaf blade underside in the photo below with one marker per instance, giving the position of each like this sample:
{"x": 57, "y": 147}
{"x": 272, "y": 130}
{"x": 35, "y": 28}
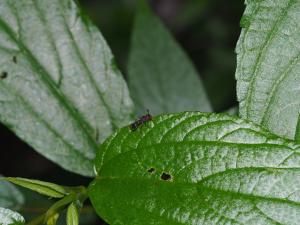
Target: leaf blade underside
{"x": 268, "y": 65}
{"x": 59, "y": 90}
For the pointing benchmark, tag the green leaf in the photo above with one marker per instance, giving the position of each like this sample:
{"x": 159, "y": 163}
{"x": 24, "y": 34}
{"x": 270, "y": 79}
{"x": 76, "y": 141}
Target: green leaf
{"x": 10, "y": 197}
{"x": 72, "y": 215}
{"x": 268, "y": 65}
{"x": 161, "y": 76}
{"x": 60, "y": 90}
{"x": 44, "y": 188}
{"x": 197, "y": 168}
{"x": 8, "y": 217}
{"x": 53, "y": 219}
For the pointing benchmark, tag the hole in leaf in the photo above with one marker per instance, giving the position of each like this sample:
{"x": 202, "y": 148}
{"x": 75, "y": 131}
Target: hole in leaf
{"x": 14, "y": 59}
{"x": 151, "y": 170}
{"x": 3, "y": 75}
{"x": 166, "y": 176}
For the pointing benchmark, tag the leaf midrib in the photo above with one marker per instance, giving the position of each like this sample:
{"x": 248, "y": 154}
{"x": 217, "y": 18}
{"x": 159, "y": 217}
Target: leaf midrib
{"x": 89, "y": 73}
{"x": 27, "y": 105}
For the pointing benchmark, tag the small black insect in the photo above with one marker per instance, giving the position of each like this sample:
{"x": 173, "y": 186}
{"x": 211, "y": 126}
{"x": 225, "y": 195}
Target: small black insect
{"x": 140, "y": 121}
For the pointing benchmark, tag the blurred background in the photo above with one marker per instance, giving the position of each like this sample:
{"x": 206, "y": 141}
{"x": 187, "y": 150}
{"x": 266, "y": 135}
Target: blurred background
{"x": 206, "y": 29}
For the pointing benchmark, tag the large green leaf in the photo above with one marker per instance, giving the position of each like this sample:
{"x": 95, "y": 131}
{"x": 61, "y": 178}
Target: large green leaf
{"x": 60, "y": 90}
{"x": 161, "y": 77}
{"x": 10, "y": 197}
{"x": 268, "y": 65}
{"x": 8, "y": 217}
{"x": 197, "y": 168}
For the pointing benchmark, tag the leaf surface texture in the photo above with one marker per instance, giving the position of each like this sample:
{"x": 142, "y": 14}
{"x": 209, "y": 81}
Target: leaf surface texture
{"x": 197, "y": 168}
{"x": 60, "y": 90}
{"x": 268, "y": 65}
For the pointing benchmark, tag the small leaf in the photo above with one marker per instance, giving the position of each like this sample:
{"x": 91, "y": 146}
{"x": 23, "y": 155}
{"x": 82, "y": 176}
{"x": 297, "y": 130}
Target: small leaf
{"x": 72, "y": 215}
{"x": 41, "y": 204}
{"x": 268, "y": 65}
{"x": 59, "y": 90}
{"x": 53, "y": 219}
{"x": 10, "y": 196}
{"x": 44, "y": 188}
{"x": 161, "y": 76}
{"x": 8, "y": 217}
{"x": 197, "y": 168}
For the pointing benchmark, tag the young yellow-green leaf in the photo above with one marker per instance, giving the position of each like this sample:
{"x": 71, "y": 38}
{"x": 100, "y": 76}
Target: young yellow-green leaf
{"x": 60, "y": 90}
{"x": 53, "y": 219}
{"x": 161, "y": 76}
{"x": 44, "y": 188}
{"x": 197, "y": 168}
{"x": 268, "y": 65}
{"x": 10, "y": 196}
{"x": 72, "y": 215}
{"x": 8, "y": 217}
{"x": 43, "y": 203}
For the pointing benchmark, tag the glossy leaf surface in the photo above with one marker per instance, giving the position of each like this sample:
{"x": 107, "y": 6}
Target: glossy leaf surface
{"x": 9, "y": 217}
{"x": 60, "y": 90}
{"x": 161, "y": 76}
{"x": 196, "y": 168}
{"x": 268, "y": 65}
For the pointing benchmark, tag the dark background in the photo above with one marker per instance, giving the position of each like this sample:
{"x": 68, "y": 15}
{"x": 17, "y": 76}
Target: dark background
{"x": 206, "y": 29}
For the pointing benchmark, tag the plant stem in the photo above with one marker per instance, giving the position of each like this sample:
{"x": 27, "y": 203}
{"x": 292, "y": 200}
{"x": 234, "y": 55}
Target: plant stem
{"x": 37, "y": 221}
{"x": 76, "y": 194}
{"x": 60, "y": 205}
